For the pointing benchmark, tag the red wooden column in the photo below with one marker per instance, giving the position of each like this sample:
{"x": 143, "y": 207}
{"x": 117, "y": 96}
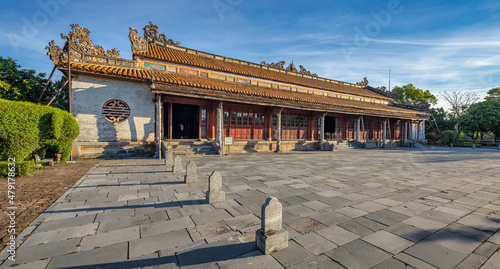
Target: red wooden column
{"x": 212, "y": 121}
{"x": 346, "y": 126}
{"x": 170, "y": 124}
{"x": 310, "y": 126}
{"x": 372, "y": 129}
{"x": 269, "y": 124}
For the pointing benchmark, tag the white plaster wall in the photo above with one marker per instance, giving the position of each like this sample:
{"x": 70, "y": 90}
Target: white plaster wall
{"x": 89, "y": 95}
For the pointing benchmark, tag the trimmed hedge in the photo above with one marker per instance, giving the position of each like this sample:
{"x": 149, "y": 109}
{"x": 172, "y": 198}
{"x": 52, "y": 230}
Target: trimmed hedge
{"x": 26, "y": 128}
{"x": 23, "y": 168}
{"x": 449, "y": 137}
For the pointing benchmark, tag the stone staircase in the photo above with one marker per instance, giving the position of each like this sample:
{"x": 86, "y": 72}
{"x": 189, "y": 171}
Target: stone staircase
{"x": 190, "y": 147}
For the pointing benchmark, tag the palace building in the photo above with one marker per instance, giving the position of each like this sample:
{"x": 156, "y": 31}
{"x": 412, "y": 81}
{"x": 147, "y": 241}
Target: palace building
{"x": 169, "y": 95}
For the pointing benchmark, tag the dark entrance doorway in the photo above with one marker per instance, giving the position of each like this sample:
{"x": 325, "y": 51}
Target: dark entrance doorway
{"x": 329, "y": 124}
{"x": 185, "y": 121}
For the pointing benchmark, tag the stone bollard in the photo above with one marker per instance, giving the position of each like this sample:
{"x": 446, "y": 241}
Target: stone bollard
{"x": 169, "y": 159}
{"x": 191, "y": 176}
{"x": 215, "y": 193}
{"x": 498, "y": 147}
{"x": 177, "y": 167}
{"x": 451, "y": 145}
{"x": 271, "y": 236}
{"x": 473, "y": 146}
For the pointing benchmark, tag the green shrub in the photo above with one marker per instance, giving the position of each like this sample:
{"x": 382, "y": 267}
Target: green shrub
{"x": 432, "y": 138}
{"x": 449, "y": 137}
{"x": 26, "y": 128}
{"x": 23, "y": 168}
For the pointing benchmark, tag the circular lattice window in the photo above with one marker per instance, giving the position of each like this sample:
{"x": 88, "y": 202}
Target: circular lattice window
{"x": 115, "y": 110}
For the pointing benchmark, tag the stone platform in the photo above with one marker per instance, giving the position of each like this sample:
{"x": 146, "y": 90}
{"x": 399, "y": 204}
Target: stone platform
{"x": 393, "y": 208}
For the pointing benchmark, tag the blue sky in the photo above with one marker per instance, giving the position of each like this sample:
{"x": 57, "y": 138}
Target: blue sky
{"x": 435, "y": 45}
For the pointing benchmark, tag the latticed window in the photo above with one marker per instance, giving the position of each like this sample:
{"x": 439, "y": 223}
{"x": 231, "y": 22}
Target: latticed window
{"x": 115, "y": 111}
{"x": 203, "y": 116}
{"x": 226, "y": 117}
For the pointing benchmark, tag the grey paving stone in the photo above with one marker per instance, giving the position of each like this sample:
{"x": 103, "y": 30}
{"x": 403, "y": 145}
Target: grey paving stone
{"x": 116, "y": 224}
{"x": 413, "y": 262}
{"x": 165, "y": 226}
{"x": 91, "y": 258}
{"x": 252, "y": 260}
{"x": 370, "y": 224}
{"x": 291, "y": 255}
{"x": 436, "y": 255}
{"x": 31, "y": 265}
{"x": 337, "y": 235}
{"x": 480, "y": 222}
{"x": 61, "y": 234}
{"x": 454, "y": 241}
{"x": 209, "y": 217}
{"x": 355, "y": 227}
{"x": 209, "y": 254}
{"x": 472, "y": 261}
{"x": 318, "y": 262}
{"x": 388, "y": 242}
{"x": 386, "y": 217}
{"x": 65, "y": 223}
{"x": 352, "y": 212}
{"x": 409, "y": 232}
{"x": 493, "y": 262}
{"x": 486, "y": 249}
{"x": 49, "y": 250}
{"x": 152, "y": 244}
{"x": 305, "y": 225}
{"x": 330, "y": 218}
{"x": 392, "y": 264}
{"x": 315, "y": 243}
{"x": 109, "y": 238}
{"x": 208, "y": 230}
{"x": 358, "y": 254}
{"x": 425, "y": 224}
{"x": 243, "y": 222}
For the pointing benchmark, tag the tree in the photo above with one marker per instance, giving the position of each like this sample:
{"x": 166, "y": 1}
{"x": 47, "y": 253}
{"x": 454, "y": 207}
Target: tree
{"x": 482, "y": 118}
{"x": 460, "y": 101}
{"x": 409, "y": 94}
{"x": 441, "y": 118}
{"x": 17, "y": 84}
{"x": 493, "y": 94}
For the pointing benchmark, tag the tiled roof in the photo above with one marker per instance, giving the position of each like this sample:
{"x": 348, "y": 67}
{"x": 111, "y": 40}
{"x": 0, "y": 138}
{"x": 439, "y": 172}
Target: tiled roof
{"x": 190, "y": 59}
{"x": 209, "y": 88}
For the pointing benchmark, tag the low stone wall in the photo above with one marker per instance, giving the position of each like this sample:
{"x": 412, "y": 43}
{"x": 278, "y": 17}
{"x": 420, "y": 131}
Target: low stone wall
{"x": 87, "y": 150}
{"x": 270, "y": 146}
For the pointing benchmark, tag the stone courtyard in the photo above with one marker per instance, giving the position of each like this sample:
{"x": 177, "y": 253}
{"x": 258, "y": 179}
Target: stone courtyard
{"x": 397, "y": 208}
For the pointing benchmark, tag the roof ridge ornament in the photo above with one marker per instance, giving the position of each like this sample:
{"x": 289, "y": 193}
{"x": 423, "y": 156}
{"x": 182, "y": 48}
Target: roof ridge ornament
{"x": 278, "y": 65}
{"x": 139, "y": 44}
{"x": 79, "y": 38}
{"x": 303, "y": 71}
{"x": 84, "y": 51}
{"x": 363, "y": 83}
{"x": 151, "y": 35}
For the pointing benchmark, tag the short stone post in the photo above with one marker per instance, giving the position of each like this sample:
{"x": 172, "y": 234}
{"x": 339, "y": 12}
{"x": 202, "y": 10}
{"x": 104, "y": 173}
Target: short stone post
{"x": 498, "y": 147}
{"x": 191, "y": 176}
{"x": 473, "y": 146}
{"x": 451, "y": 145}
{"x": 177, "y": 167}
{"x": 271, "y": 236}
{"x": 169, "y": 159}
{"x": 215, "y": 193}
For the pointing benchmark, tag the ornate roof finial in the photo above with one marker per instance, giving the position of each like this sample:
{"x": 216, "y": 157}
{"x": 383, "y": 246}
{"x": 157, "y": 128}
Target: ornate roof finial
{"x": 79, "y": 38}
{"x": 363, "y": 83}
{"x": 152, "y": 36}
